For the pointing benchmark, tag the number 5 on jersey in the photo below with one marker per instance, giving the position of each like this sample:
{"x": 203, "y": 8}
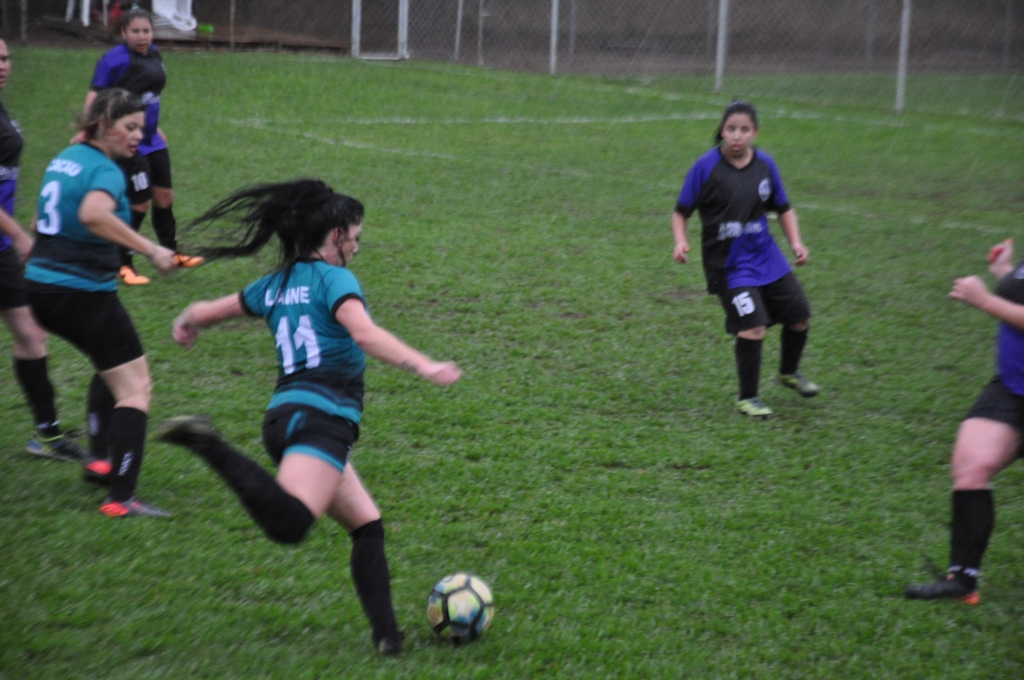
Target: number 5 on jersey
{"x": 304, "y": 337}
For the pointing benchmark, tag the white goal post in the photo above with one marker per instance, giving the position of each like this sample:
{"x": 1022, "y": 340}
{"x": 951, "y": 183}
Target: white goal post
{"x": 402, "y": 51}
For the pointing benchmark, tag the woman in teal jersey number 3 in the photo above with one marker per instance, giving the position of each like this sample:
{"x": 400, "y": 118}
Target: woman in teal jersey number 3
{"x": 71, "y": 277}
{"x": 316, "y": 311}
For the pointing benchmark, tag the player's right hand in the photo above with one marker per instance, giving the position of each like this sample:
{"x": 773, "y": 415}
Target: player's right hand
{"x": 680, "y": 252}
{"x": 163, "y": 259}
{"x": 441, "y": 373}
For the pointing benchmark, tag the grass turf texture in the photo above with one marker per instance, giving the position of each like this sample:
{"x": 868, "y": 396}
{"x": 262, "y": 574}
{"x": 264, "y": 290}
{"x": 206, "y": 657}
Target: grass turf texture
{"x": 590, "y": 465}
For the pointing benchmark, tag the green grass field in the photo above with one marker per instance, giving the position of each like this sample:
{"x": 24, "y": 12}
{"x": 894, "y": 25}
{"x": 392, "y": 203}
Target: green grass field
{"x": 590, "y": 465}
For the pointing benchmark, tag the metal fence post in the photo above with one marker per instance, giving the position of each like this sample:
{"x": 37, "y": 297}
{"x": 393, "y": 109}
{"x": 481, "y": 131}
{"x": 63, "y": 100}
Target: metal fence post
{"x": 403, "y": 29}
{"x": 458, "y": 31}
{"x": 901, "y": 68}
{"x": 357, "y": 22}
{"x": 554, "y": 36}
{"x": 723, "y": 33}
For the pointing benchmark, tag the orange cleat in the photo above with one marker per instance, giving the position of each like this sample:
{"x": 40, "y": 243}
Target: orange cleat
{"x": 188, "y": 261}
{"x": 130, "y": 277}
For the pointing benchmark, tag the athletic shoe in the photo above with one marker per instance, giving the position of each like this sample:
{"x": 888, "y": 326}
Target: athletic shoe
{"x": 799, "y": 384}
{"x": 188, "y": 261}
{"x": 947, "y": 589}
{"x": 60, "y": 447}
{"x": 183, "y": 430}
{"x": 96, "y": 470}
{"x": 132, "y": 507}
{"x": 389, "y": 646}
{"x": 754, "y": 408}
{"x": 130, "y": 277}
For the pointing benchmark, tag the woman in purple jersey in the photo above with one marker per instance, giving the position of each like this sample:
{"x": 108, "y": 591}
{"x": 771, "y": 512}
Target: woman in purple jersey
{"x": 29, "y": 339}
{"x": 989, "y": 438}
{"x": 137, "y": 67}
{"x": 733, "y": 186}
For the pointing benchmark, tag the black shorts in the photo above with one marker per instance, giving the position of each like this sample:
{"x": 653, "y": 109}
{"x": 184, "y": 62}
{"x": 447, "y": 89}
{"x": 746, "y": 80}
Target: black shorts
{"x": 94, "y": 322}
{"x": 782, "y": 301}
{"x": 294, "y": 428}
{"x": 999, "y": 404}
{"x": 142, "y": 173}
{"x": 12, "y": 280}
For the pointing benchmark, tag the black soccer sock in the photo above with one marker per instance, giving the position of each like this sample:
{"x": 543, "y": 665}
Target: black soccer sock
{"x": 282, "y": 516}
{"x": 748, "y": 366}
{"x": 127, "y": 441}
{"x": 372, "y": 579}
{"x": 35, "y": 383}
{"x": 792, "y": 349}
{"x": 166, "y": 227}
{"x": 136, "y": 224}
{"x": 99, "y": 411}
{"x": 974, "y": 516}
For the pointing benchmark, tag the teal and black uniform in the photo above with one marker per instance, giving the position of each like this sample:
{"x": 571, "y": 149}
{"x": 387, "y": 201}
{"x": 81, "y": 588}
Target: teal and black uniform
{"x": 66, "y": 254}
{"x": 71, "y": 274}
{"x": 319, "y": 395}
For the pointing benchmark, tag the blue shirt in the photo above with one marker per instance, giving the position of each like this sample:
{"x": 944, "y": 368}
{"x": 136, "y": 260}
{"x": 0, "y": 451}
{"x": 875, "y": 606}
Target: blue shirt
{"x": 736, "y": 247}
{"x": 10, "y": 160}
{"x": 1010, "y": 345}
{"x": 65, "y": 252}
{"x": 319, "y": 364}
{"x": 142, "y": 75}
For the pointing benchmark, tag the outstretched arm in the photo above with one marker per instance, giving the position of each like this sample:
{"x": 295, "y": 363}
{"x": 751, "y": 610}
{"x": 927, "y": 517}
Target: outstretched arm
{"x": 973, "y": 291}
{"x": 96, "y": 213}
{"x": 381, "y": 344}
{"x": 199, "y": 315}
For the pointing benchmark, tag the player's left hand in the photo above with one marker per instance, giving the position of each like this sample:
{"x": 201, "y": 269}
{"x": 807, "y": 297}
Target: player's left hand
{"x": 184, "y": 330}
{"x": 969, "y": 289}
{"x": 801, "y": 252}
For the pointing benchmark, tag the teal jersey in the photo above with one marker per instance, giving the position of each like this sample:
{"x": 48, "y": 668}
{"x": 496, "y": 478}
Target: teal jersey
{"x": 319, "y": 363}
{"x": 66, "y": 253}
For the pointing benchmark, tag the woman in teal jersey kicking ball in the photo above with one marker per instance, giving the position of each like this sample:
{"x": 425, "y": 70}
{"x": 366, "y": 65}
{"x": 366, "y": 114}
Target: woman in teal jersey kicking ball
{"x": 316, "y": 311}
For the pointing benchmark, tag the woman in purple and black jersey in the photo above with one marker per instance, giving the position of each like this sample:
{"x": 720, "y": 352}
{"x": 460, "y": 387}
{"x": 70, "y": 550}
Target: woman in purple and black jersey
{"x": 29, "y": 339}
{"x": 989, "y": 438}
{"x": 733, "y": 186}
{"x": 136, "y": 66}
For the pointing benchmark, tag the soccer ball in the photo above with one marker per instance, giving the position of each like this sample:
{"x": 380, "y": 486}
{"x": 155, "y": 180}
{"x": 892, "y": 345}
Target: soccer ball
{"x": 460, "y": 607}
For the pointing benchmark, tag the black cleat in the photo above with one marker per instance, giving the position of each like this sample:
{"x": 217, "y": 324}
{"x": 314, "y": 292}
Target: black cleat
{"x": 948, "y": 588}
{"x": 184, "y": 430}
{"x": 389, "y": 646}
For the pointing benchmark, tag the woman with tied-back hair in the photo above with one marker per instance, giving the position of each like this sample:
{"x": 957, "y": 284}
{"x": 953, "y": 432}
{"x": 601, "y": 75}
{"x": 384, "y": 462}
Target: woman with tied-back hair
{"x": 316, "y": 311}
{"x": 733, "y": 186}
{"x": 136, "y": 65}
{"x": 71, "y": 277}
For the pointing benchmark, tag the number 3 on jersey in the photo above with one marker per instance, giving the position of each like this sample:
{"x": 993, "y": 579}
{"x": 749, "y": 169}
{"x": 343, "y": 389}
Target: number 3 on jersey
{"x": 743, "y": 304}
{"x": 49, "y": 222}
{"x": 289, "y": 343}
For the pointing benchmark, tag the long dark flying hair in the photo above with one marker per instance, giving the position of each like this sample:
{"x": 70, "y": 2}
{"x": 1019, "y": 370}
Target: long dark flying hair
{"x": 300, "y": 213}
{"x": 737, "y": 106}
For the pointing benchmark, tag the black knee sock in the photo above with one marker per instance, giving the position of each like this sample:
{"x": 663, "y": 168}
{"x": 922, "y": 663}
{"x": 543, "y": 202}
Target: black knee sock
{"x": 136, "y": 224}
{"x": 165, "y": 227}
{"x": 282, "y": 516}
{"x": 35, "y": 383}
{"x": 372, "y": 578}
{"x": 99, "y": 411}
{"x": 792, "y": 348}
{"x": 974, "y": 516}
{"x": 127, "y": 439}
{"x": 748, "y": 366}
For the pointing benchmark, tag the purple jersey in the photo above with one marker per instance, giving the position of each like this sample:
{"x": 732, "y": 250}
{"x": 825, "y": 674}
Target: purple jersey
{"x": 736, "y": 247}
{"x": 10, "y": 160}
{"x": 1010, "y": 346}
{"x": 142, "y": 75}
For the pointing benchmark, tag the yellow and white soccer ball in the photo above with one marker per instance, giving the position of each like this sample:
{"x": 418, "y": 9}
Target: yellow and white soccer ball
{"x": 460, "y": 607}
